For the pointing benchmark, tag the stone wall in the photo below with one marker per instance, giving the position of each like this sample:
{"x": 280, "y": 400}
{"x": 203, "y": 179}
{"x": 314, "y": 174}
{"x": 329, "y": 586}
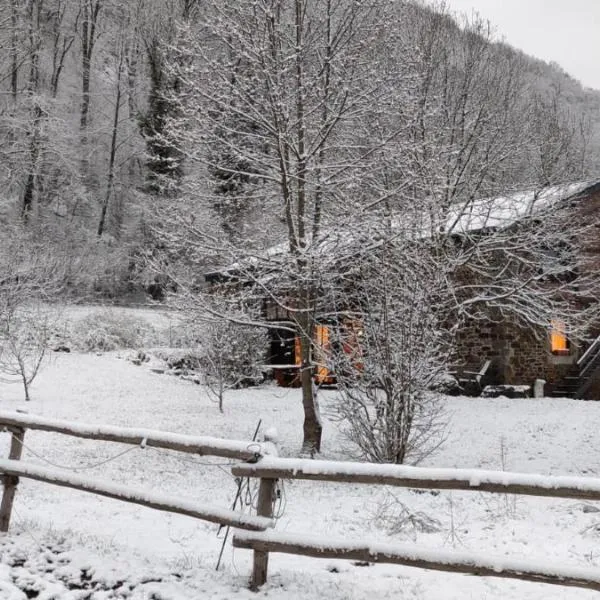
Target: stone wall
{"x": 518, "y": 356}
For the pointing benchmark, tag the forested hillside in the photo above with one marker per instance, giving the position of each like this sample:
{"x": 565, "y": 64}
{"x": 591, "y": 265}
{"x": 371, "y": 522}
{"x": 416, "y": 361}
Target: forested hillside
{"x": 110, "y": 109}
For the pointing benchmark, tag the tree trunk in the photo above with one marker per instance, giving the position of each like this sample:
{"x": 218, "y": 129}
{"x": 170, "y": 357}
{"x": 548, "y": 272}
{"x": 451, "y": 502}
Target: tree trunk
{"x": 113, "y": 151}
{"x": 312, "y": 422}
{"x": 90, "y": 12}
{"x": 61, "y": 45}
{"x": 24, "y": 378}
{"x": 312, "y": 428}
{"x": 14, "y": 56}
{"x": 29, "y": 192}
{"x": 86, "y": 62}
{"x": 26, "y": 386}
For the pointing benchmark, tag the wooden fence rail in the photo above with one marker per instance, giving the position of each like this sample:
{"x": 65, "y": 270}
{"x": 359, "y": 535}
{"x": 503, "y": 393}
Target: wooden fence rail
{"x": 473, "y": 480}
{"x": 143, "y": 497}
{"x": 12, "y": 469}
{"x": 199, "y": 445}
{"x": 422, "y": 558}
{"x": 270, "y": 468}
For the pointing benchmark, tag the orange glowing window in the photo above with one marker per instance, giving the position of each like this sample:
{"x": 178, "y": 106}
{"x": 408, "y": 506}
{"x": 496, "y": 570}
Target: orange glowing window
{"x": 558, "y": 338}
{"x": 297, "y": 351}
{"x": 322, "y": 345}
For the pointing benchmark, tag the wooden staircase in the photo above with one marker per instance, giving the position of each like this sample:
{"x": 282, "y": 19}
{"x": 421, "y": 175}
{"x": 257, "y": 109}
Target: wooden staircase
{"x": 589, "y": 367}
{"x": 581, "y": 376}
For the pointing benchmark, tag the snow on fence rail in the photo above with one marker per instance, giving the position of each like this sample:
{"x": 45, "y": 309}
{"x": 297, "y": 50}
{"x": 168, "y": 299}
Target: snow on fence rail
{"x": 271, "y": 468}
{"x": 127, "y": 493}
{"x": 504, "y": 482}
{"x": 13, "y": 468}
{"x": 200, "y": 445}
{"x": 422, "y": 558}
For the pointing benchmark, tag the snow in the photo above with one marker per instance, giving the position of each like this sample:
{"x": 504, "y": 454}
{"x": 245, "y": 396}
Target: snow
{"x": 332, "y": 470}
{"x": 145, "y": 437}
{"x": 138, "y": 496}
{"x": 176, "y": 555}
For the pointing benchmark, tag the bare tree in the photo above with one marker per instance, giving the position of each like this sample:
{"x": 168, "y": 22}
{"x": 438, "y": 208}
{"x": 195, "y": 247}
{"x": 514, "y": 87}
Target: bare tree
{"x": 471, "y": 116}
{"x": 25, "y": 335}
{"x": 231, "y": 356}
{"x": 62, "y": 40}
{"x": 14, "y": 52}
{"x": 394, "y": 350}
{"x": 119, "y": 66}
{"x": 559, "y": 141}
{"x": 31, "y": 278}
{"x": 90, "y": 17}
{"x": 282, "y": 86}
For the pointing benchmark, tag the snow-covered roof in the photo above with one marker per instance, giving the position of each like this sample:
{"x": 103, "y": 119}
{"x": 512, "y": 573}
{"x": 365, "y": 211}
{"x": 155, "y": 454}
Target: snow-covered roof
{"x": 503, "y": 211}
{"x": 462, "y": 218}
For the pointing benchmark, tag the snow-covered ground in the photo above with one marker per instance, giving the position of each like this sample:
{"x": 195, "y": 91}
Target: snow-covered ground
{"x": 71, "y": 545}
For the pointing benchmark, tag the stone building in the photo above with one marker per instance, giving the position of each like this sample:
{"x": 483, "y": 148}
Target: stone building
{"x": 520, "y": 355}
{"x": 513, "y": 354}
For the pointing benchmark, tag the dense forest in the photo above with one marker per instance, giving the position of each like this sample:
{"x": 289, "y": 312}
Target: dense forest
{"x": 113, "y": 111}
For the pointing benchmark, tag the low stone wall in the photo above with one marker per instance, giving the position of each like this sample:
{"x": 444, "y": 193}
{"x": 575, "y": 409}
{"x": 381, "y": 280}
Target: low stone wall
{"x": 518, "y": 356}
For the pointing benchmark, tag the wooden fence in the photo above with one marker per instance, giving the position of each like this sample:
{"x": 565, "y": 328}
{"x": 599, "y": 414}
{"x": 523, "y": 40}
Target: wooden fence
{"x": 270, "y": 469}
{"x": 13, "y": 468}
{"x": 260, "y": 461}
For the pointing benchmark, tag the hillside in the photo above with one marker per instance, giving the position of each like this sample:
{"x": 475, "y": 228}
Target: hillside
{"x": 86, "y": 134}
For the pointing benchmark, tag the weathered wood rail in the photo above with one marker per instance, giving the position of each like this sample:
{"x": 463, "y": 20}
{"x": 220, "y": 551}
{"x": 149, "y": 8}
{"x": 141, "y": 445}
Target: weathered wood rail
{"x": 421, "y": 558}
{"x": 133, "y": 495}
{"x": 13, "y": 468}
{"x": 199, "y": 445}
{"x": 269, "y": 469}
{"x": 473, "y": 480}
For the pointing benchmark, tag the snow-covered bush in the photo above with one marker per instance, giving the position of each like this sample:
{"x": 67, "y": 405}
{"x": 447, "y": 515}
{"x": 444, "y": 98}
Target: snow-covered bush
{"x": 231, "y": 356}
{"x": 179, "y": 360}
{"x": 386, "y": 411}
{"x": 103, "y": 331}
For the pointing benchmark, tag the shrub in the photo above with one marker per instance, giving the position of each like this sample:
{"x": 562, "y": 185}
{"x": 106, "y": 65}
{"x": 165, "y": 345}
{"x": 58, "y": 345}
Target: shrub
{"x": 232, "y": 356}
{"x": 103, "y": 331}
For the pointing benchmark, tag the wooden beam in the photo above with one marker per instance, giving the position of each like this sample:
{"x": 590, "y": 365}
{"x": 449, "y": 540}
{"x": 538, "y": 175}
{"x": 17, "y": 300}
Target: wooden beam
{"x": 10, "y": 482}
{"x": 125, "y": 493}
{"x": 581, "y": 488}
{"x": 422, "y": 558}
{"x": 199, "y": 445}
{"x": 266, "y": 497}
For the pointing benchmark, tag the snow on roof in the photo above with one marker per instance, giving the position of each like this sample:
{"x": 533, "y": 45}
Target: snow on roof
{"x": 467, "y": 217}
{"x": 503, "y": 211}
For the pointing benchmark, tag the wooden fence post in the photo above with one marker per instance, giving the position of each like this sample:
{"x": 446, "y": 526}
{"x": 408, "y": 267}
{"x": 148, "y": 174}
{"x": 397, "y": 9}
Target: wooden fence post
{"x": 266, "y": 497}
{"x": 10, "y": 481}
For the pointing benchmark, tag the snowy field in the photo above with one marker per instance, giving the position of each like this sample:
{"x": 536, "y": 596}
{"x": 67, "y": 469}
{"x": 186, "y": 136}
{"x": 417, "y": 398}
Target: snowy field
{"x": 68, "y": 545}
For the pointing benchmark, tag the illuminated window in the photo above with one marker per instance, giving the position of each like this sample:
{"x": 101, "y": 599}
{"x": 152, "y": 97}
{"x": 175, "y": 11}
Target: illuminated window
{"x": 558, "y": 338}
